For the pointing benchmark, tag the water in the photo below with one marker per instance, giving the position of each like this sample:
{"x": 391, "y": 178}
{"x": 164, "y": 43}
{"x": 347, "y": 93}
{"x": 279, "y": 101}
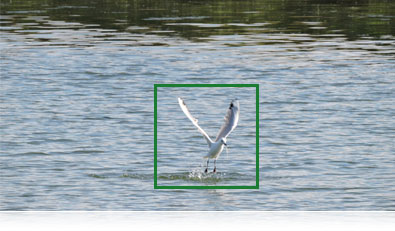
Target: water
{"x": 77, "y": 104}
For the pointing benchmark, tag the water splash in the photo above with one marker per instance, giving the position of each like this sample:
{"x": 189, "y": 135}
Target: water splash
{"x": 196, "y": 174}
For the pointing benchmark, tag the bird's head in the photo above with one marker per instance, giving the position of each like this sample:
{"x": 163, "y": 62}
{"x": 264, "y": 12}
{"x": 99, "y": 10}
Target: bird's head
{"x": 223, "y": 141}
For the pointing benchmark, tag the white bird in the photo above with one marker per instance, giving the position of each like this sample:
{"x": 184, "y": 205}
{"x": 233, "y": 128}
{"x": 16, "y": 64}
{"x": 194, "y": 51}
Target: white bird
{"x": 217, "y": 146}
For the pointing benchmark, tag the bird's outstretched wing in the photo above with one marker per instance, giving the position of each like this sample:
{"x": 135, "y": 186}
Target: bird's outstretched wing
{"x": 231, "y": 120}
{"x": 194, "y": 121}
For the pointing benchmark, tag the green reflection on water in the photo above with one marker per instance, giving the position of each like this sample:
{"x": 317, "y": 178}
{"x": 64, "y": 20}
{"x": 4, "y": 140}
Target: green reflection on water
{"x": 199, "y": 19}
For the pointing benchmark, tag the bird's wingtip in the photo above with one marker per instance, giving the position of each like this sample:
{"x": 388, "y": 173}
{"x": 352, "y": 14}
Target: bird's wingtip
{"x": 181, "y": 101}
{"x": 234, "y": 102}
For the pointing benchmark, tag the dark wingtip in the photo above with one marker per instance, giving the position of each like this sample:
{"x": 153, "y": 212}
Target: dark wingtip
{"x": 182, "y": 100}
{"x": 231, "y": 103}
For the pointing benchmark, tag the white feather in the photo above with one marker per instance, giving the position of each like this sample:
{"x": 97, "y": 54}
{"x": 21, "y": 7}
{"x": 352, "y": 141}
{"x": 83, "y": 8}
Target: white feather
{"x": 194, "y": 121}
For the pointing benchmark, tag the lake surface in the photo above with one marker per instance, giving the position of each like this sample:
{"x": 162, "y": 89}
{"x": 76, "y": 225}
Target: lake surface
{"x": 77, "y": 107}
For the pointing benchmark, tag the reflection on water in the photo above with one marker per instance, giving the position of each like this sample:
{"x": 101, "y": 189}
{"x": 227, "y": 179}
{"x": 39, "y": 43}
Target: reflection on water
{"x": 76, "y": 102}
{"x": 199, "y": 20}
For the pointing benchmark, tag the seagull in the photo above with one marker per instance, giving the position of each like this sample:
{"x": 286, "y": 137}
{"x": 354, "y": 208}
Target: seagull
{"x": 217, "y": 146}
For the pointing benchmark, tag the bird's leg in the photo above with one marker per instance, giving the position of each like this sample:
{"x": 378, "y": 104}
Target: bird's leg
{"x": 207, "y": 165}
{"x": 215, "y": 166}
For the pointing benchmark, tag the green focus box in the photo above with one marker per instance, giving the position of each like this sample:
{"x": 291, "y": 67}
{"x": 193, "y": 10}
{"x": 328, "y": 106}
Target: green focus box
{"x": 255, "y": 186}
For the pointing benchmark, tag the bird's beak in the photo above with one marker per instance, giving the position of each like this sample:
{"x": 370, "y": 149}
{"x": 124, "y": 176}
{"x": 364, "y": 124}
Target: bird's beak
{"x": 225, "y": 144}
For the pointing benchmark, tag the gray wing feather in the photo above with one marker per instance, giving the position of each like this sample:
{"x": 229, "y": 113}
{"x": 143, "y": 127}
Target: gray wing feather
{"x": 231, "y": 120}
